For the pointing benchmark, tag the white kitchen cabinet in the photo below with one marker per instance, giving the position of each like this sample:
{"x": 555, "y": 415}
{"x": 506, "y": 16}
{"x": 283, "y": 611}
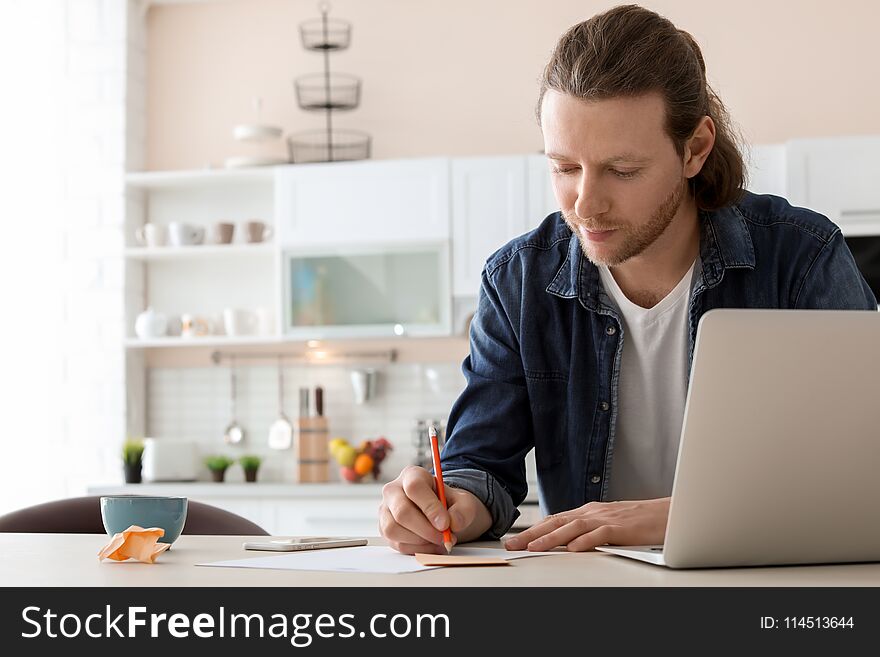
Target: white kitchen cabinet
{"x": 344, "y": 517}
{"x": 370, "y": 202}
{"x": 541, "y": 201}
{"x": 489, "y": 197}
{"x": 361, "y": 290}
{"x": 839, "y": 178}
{"x": 766, "y": 167}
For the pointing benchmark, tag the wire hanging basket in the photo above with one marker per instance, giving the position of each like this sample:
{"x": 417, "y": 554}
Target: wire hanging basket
{"x": 331, "y": 91}
{"x": 327, "y": 92}
{"x": 337, "y": 146}
{"x": 329, "y": 34}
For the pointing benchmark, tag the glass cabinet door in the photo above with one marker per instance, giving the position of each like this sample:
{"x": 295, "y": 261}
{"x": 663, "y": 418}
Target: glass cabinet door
{"x": 380, "y": 293}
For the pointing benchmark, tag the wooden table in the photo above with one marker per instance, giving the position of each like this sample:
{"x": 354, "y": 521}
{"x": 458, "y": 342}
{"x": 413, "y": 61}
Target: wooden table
{"x": 71, "y": 560}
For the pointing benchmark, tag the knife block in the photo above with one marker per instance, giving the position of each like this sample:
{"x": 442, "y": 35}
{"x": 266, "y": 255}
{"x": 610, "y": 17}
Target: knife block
{"x": 311, "y": 450}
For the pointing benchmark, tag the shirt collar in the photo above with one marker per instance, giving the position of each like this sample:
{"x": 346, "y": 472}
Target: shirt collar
{"x": 725, "y": 243}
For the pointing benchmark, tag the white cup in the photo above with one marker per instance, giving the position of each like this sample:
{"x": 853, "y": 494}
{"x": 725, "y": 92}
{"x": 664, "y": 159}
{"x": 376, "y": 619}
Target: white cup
{"x": 265, "y": 321}
{"x": 150, "y": 235}
{"x": 239, "y": 322}
{"x": 181, "y": 234}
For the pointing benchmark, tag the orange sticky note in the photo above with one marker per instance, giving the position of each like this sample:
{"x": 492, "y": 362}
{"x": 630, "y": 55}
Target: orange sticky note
{"x": 457, "y": 560}
{"x": 135, "y": 543}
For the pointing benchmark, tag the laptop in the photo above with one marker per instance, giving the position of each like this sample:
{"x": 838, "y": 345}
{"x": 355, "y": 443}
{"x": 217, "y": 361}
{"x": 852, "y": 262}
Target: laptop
{"x": 779, "y": 458}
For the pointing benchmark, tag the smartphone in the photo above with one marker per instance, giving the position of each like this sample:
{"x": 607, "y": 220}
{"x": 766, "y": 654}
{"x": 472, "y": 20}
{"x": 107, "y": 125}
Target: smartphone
{"x": 308, "y": 543}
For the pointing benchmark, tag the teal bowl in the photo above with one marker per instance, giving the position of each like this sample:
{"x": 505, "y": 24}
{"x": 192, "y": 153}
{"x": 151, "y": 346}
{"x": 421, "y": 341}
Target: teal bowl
{"x": 119, "y": 512}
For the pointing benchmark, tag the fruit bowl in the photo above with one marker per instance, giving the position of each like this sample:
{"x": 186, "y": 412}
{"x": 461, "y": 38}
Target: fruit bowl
{"x": 356, "y": 463}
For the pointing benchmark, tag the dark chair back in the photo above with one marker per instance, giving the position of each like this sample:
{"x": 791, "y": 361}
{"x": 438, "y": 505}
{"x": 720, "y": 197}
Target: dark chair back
{"x": 82, "y": 515}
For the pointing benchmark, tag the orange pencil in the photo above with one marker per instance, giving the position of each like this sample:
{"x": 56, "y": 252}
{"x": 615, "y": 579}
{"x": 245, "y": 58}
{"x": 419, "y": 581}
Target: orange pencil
{"x": 438, "y": 475}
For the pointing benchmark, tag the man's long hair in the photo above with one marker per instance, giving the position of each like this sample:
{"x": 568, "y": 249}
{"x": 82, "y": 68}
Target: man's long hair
{"x": 631, "y": 51}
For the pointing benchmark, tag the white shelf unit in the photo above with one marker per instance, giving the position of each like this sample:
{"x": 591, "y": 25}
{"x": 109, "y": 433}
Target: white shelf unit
{"x": 199, "y": 251}
{"x": 203, "y": 341}
{"x": 200, "y": 280}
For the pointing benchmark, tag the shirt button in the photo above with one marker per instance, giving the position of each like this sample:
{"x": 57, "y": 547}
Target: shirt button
{"x": 595, "y": 479}
{"x": 604, "y": 406}
{"x": 611, "y": 330}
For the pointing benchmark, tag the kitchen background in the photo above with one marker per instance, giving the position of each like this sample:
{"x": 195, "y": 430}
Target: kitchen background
{"x": 98, "y": 90}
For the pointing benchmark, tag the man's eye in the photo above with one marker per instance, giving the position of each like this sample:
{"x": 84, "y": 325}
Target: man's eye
{"x": 624, "y": 174}
{"x": 562, "y": 170}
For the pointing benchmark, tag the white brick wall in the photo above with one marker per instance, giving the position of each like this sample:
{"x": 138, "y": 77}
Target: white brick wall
{"x": 67, "y": 89}
{"x": 194, "y": 404}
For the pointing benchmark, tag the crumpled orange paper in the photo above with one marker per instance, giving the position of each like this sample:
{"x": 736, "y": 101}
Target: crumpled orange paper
{"x": 135, "y": 543}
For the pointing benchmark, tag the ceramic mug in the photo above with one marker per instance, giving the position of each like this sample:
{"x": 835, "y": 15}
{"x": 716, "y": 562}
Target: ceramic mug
{"x": 150, "y": 235}
{"x": 257, "y": 231}
{"x": 240, "y": 322}
{"x": 181, "y": 234}
{"x": 119, "y": 512}
{"x": 265, "y": 321}
{"x": 223, "y": 232}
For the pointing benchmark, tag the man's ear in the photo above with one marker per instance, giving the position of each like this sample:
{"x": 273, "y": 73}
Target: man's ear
{"x": 698, "y": 147}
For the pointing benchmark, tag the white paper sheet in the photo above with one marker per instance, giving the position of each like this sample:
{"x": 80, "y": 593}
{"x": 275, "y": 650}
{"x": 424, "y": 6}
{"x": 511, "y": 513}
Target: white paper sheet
{"x": 366, "y": 559}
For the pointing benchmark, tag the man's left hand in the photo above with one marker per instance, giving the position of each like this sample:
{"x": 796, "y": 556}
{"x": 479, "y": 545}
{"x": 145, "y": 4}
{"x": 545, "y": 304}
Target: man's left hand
{"x": 637, "y": 522}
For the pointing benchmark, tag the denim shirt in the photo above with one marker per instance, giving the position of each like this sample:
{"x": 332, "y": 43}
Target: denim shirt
{"x": 546, "y": 345}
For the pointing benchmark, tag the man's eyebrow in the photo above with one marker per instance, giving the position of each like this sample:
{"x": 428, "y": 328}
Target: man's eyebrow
{"x": 616, "y": 159}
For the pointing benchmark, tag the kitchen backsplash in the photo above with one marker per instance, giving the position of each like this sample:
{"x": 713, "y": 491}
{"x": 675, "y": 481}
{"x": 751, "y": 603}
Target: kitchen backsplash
{"x": 194, "y": 404}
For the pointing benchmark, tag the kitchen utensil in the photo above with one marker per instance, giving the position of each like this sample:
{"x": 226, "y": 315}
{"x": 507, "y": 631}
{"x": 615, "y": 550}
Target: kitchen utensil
{"x": 256, "y": 132}
{"x": 192, "y": 326}
{"x": 257, "y": 231}
{"x": 281, "y": 431}
{"x": 182, "y": 234}
{"x": 150, "y": 324}
{"x": 364, "y": 384}
{"x": 119, "y": 512}
{"x": 234, "y": 432}
{"x": 240, "y": 322}
{"x": 150, "y": 235}
{"x": 170, "y": 459}
{"x": 223, "y": 232}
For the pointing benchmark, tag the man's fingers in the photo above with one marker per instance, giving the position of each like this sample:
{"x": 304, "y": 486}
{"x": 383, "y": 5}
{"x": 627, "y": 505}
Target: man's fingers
{"x": 394, "y": 531}
{"x": 547, "y": 525}
{"x": 563, "y": 535}
{"x": 412, "y": 548}
{"x": 408, "y": 515}
{"x": 418, "y": 484}
{"x": 600, "y": 536}
{"x": 461, "y": 512}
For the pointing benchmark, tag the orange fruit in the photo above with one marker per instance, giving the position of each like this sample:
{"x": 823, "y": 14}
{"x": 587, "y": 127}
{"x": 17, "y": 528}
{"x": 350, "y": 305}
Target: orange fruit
{"x": 363, "y": 464}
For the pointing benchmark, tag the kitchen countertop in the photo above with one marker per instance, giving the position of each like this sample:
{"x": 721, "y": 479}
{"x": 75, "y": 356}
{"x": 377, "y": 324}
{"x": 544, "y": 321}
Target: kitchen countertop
{"x": 35, "y": 560}
{"x": 204, "y": 489}
{"x": 207, "y": 489}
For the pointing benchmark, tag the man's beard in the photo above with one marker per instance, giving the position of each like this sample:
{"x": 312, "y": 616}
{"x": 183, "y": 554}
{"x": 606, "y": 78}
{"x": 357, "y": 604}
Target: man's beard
{"x": 635, "y": 240}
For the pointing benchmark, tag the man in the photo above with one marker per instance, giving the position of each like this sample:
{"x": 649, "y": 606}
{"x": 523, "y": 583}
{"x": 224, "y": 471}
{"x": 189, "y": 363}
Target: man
{"x": 584, "y": 334}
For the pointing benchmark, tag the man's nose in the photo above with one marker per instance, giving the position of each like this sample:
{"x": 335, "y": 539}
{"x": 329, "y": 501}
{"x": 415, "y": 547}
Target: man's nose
{"x": 591, "y": 200}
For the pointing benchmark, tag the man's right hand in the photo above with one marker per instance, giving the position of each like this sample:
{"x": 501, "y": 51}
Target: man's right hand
{"x": 412, "y": 517}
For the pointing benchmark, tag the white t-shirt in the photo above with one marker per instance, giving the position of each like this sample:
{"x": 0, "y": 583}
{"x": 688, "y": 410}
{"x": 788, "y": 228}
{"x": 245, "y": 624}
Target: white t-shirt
{"x": 651, "y": 392}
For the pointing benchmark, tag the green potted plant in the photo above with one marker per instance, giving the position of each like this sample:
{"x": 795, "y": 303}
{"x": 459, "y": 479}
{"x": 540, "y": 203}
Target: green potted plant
{"x": 217, "y": 465}
{"x": 132, "y": 460}
{"x": 250, "y": 463}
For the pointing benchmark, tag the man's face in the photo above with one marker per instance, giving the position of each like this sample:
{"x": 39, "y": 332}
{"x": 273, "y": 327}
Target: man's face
{"x": 616, "y": 175}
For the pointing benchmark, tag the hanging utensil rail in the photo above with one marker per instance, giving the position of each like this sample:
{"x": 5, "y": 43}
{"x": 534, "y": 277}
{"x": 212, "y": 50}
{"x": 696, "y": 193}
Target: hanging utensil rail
{"x": 389, "y": 355}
